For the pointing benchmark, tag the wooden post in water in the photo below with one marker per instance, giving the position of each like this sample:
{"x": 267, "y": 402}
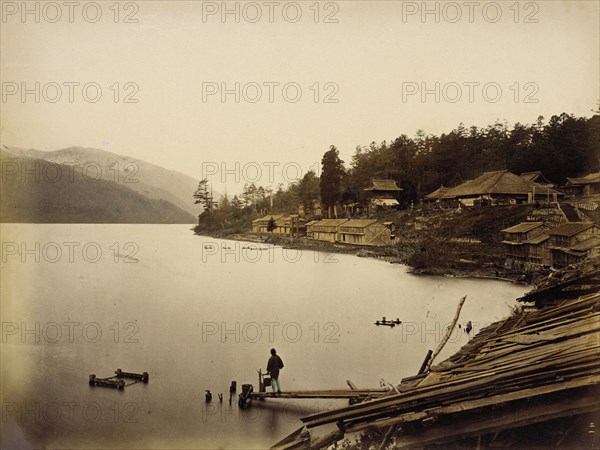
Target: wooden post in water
{"x": 426, "y": 361}
{"x": 447, "y": 335}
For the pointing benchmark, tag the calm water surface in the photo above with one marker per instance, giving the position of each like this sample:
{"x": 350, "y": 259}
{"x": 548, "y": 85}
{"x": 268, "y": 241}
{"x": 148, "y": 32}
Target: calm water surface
{"x": 197, "y": 313}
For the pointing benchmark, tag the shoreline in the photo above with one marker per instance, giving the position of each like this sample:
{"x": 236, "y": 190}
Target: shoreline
{"x": 391, "y": 254}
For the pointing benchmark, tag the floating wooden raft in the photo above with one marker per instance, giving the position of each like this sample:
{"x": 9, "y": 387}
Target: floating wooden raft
{"x": 534, "y": 366}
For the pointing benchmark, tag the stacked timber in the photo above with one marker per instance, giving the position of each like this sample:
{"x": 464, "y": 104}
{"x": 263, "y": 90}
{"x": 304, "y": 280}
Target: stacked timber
{"x": 540, "y": 367}
{"x": 533, "y": 367}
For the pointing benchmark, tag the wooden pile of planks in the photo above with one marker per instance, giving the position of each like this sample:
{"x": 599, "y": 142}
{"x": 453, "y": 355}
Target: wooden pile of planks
{"x": 535, "y": 365}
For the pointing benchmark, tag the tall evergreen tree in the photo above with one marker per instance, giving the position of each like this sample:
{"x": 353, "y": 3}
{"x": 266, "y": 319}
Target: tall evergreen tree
{"x": 331, "y": 179}
{"x": 308, "y": 191}
{"x": 203, "y": 195}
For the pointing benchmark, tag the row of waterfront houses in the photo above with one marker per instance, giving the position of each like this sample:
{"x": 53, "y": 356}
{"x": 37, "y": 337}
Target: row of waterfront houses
{"x": 367, "y": 232}
{"x": 533, "y": 244}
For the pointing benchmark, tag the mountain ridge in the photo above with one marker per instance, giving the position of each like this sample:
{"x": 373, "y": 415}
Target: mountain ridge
{"x": 66, "y": 194}
{"x": 150, "y": 180}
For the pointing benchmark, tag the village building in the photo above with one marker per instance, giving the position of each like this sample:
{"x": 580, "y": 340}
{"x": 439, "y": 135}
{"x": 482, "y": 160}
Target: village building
{"x": 365, "y": 232}
{"x": 317, "y": 209}
{"x": 353, "y": 208}
{"x": 260, "y": 225}
{"x": 309, "y": 229}
{"x": 383, "y": 194}
{"x": 539, "y": 178}
{"x": 500, "y": 188}
{"x": 292, "y": 225}
{"x": 571, "y": 243}
{"x": 327, "y": 230}
{"x": 587, "y": 185}
{"x": 436, "y": 195}
{"x": 517, "y": 240}
{"x": 538, "y": 253}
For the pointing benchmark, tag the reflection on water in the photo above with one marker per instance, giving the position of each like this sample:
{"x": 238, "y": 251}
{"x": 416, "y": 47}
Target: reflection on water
{"x": 198, "y": 313}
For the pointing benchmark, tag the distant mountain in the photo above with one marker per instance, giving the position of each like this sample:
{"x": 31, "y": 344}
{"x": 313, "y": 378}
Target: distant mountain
{"x": 38, "y": 191}
{"x": 152, "y": 181}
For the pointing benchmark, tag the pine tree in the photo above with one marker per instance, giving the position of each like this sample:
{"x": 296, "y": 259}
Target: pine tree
{"x": 331, "y": 178}
{"x": 203, "y": 195}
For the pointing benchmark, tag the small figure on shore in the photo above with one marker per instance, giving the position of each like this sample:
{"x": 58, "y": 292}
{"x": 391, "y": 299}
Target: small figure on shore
{"x": 273, "y": 366}
{"x": 468, "y": 327}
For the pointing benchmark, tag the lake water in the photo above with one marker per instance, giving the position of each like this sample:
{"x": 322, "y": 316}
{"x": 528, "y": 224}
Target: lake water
{"x": 197, "y": 313}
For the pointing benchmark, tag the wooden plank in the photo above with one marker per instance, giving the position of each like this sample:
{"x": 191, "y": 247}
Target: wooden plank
{"x": 393, "y": 403}
{"x": 500, "y": 420}
{"x": 328, "y": 393}
{"x": 464, "y": 406}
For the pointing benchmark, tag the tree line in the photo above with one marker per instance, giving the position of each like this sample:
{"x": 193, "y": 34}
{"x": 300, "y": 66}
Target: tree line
{"x": 564, "y": 146}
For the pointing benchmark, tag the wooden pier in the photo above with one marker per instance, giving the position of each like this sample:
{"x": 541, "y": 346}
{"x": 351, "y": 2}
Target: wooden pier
{"x": 325, "y": 393}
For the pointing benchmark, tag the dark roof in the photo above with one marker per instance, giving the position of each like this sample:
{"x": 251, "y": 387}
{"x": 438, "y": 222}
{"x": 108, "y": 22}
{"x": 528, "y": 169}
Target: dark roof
{"x": 523, "y": 227}
{"x": 500, "y": 182}
{"x": 531, "y": 176}
{"x": 383, "y": 185}
{"x": 588, "y": 244}
{"x": 359, "y": 223}
{"x": 570, "y": 228}
{"x": 330, "y": 222}
{"x": 538, "y": 239}
{"x": 267, "y": 218}
{"x": 538, "y": 178}
{"x": 588, "y": 179}
{"x": 295, "y": 217}
{"x": 438, "y": 193}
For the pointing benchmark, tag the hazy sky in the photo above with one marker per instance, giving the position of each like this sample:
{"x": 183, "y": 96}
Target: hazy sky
{"x": 516, "y": 60}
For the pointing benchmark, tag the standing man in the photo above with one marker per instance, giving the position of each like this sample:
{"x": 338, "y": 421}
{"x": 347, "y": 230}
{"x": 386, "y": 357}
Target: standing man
{"x": 275, "y": 363}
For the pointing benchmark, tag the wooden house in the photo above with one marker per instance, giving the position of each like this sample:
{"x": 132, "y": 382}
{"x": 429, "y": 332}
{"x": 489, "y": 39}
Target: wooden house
{"x": 365, "y": 232}
{"x": 292, "y": 225}
{"x": 317, "y": 209}
{"x": 516, "y": 239}
{"x": 572, "y": 242}
{"x": 587, "y": 185}
{"x": 538, "y": 253}
{"x": 539, "y": 178}
{"x": 436, "y": 195}
{"x": 260, "y": 225}
{"x": 383, "y": 193}
{"x": 500, "y": 188}
{"x": 327, "y": 230}
{"x": 309, "y": 229}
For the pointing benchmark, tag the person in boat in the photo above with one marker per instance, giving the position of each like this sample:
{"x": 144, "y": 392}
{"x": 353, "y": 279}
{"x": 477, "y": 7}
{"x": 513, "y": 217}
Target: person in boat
{"x": 274, "y": 365}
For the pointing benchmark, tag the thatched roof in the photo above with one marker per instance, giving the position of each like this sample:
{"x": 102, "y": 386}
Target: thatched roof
{"x": 500, "y": 182}
{"x": 588, "y": 244}
{"x": 523, "y": 227}
{"x": 438, "y": 193}
{"x": 383, "y": 185}
{"x": 359, "y": 223}
{"x": 570, "y": 229}
{"x": 267, "y": 218}
{"x": 538, "y": 239}
{"x": 538, "y": 177}
{"x": 330, "y": 222}
{"x": 588, "y": 179}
